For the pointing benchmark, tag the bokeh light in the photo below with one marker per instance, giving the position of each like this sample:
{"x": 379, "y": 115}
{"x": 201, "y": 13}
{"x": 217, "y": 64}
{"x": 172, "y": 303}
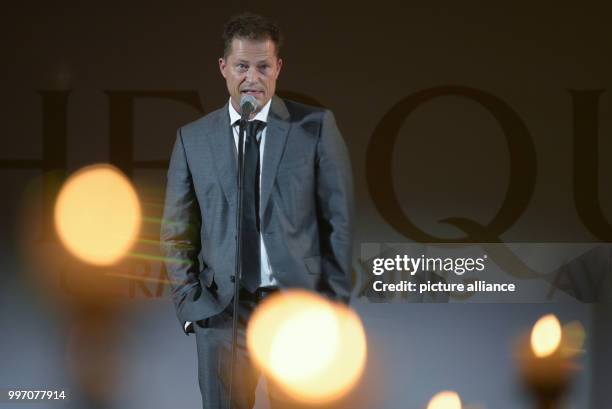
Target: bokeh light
{"x": 98, "y": 214}
{"x": 546, "y": 336}
{"x": 573, "y": 336}
{"x": 313, "y": 349}
{"x": 445, "y": 400}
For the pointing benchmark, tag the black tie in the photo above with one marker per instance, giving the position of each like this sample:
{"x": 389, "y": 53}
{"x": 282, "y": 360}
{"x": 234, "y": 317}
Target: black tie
{"x": 251, "y": 269}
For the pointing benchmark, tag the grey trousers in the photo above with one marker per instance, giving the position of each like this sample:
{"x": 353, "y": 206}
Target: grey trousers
{"x": 214, "y": 343}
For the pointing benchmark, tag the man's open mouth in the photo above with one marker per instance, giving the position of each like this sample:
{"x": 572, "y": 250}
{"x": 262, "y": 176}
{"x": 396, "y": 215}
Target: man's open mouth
{"x": 251, "y": 92}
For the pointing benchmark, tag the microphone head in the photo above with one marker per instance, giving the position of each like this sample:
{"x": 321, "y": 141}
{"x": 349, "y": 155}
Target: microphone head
{"x": 248, "y": 105}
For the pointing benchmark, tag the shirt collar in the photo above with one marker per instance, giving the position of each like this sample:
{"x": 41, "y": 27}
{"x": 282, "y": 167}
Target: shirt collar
{"x": 262, "y": 115}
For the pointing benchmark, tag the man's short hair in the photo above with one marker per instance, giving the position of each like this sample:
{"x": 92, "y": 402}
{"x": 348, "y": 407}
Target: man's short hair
{"x": 250, "y": 26}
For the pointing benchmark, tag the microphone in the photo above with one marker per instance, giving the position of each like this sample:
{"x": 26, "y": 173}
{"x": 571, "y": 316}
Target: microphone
{"x": 248, "y": 104}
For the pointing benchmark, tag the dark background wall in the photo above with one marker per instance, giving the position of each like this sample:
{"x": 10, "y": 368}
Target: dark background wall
{"x": 509, "y": 131}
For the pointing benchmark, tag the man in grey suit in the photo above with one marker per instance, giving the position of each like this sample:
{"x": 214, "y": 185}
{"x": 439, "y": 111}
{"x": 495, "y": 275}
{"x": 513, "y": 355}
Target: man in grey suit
{"x": 298, "y": 209}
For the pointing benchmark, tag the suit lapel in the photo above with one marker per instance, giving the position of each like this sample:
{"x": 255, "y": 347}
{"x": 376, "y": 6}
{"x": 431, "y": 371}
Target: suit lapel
{"x": 224, "y": 157}
{"x": 276, "y": 136}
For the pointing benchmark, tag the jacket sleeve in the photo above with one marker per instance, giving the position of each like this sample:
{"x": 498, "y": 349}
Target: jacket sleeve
{"x": 180, "y": 230}
{"x": 335, "y": 209}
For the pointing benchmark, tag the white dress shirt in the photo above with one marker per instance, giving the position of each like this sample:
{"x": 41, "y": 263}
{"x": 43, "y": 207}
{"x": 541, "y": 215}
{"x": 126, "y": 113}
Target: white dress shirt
{"x": 267, "y": 280}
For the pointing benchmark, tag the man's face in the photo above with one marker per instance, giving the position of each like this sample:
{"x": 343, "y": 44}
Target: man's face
{"x": 251, "y": 68}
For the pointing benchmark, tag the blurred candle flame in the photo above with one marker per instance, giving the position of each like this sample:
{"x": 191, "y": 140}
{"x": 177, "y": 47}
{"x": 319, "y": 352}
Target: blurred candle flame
{"x": 313, "y": 349}
{"x": 98, "y": 214}
{"x": 445, "y": 400}
{"x": 546, "y": 336}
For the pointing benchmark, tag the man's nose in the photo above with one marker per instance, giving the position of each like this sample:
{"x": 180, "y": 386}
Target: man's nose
{"x": 252, "y": 74}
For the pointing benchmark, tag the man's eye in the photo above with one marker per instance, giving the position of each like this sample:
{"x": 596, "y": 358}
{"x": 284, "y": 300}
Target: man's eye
{"x": 242, "y": 67}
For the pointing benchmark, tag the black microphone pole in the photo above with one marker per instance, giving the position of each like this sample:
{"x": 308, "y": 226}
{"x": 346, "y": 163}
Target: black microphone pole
{"x": 238, "y": 266}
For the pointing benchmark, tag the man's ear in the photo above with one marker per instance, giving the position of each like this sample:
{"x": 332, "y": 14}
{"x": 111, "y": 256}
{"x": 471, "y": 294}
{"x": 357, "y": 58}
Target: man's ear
{"x": 279, "y": 63}
{"x": 222, "y": 65}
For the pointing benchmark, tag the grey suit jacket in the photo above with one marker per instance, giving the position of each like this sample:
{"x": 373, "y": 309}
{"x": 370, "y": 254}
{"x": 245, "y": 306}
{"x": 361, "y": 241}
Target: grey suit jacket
{"x": 306, "y": 209}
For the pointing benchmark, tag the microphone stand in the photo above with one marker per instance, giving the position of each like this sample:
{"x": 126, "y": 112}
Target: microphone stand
{"x": 238, "y": 265}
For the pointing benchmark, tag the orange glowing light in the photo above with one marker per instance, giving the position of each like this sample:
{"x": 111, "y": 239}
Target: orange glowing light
{"x": 313, "y": 349}
{"x": 98, "y": 214}
{"x": 546, "y": 336}
{"x": 445, "y": 400}
{"x": 573, "y": 339}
